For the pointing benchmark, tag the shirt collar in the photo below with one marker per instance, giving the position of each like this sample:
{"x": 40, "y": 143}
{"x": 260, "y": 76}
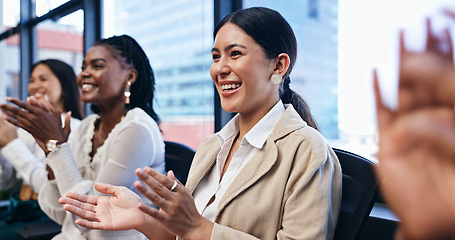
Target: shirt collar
{"x": 259, "y": 133}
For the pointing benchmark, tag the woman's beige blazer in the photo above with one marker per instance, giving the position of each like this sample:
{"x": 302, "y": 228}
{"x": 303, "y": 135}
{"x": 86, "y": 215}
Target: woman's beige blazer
{"x": 290, "y": 190}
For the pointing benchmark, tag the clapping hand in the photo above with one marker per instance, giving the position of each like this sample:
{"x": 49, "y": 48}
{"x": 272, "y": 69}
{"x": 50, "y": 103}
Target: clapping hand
{"x": 177, "y": 213}
{"x": 416, "y": 146}
{"x": 117, "y": 212}
{"x": 39, "y": 117}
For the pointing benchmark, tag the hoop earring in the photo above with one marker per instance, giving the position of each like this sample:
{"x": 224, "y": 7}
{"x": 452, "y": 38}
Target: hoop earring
{"x": 276, "y": 78}
{"x": 127, "y": 92}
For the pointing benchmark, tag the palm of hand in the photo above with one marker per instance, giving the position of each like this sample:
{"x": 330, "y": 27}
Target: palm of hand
{"x": 415, "y": 155}
{"x": 119, "y": 212}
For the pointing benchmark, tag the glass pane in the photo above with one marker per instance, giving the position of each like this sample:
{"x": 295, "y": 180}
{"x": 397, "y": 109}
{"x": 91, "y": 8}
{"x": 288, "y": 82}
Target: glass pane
{"x": 62, "y": 39}
{"x": 340, "y": 42}
{"x": 10, "y": 13}
{"x": 314, "y": 75}
{"x": 9, "y": 67}
{"x": 177, "y": 37}
{"x": 44, "y": 6}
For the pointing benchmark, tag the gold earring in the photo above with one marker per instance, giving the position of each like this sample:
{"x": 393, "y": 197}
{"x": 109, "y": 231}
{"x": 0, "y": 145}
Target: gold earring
{"x": 276, "y": 78}
{"x": 127, "y": 92}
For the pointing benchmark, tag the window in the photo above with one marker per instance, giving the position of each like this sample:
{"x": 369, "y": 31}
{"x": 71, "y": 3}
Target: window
{"x": 314, "y": 75}
{"x": 10, "y": 13}
{"x": 9, "y": 67}
{"x": 45, "y": 6}
{"x": 177, "y": 38}
{"x": 62, "y": 39}
{"x": 313, "y": 10}
{"x": 9, "y": 51}
{"x": 337, "y": 53}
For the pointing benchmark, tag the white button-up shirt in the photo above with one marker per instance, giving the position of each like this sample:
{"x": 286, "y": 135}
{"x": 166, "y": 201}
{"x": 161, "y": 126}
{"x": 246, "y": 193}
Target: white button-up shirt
{"x": 210, "y": 185}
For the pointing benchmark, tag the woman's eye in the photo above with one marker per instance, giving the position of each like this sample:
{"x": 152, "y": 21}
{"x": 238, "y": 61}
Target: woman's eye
{"x": 235, "y": 53}
{"x": 98, "y": 66}
{"x": 83, "y": 68}
{"x": 215, "y": 56}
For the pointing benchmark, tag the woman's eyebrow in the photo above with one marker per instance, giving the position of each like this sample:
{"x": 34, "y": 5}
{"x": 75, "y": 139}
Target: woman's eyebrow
{"x": 229, "y": 47}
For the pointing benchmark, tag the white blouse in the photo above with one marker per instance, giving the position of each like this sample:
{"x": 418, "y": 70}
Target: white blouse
{"x": 27, "y": 157}
{"x": 135, "y": 142}
{"x": 210, "y": 185}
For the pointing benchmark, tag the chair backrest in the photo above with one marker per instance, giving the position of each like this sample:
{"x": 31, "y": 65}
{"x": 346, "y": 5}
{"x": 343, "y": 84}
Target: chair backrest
{"x": 358, "y": 194}
{"x": 178, "y": 158}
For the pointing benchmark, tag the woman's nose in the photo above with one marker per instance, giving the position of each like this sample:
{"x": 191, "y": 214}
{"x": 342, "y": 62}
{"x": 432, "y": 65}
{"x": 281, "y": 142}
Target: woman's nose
{"x": 84, "y": 73}
{"x": 222, "y": 67}
{"x": 34, "y": 85}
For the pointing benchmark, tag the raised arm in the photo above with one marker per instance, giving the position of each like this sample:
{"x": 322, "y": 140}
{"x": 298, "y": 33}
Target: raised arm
{"x": 416, "y": 145}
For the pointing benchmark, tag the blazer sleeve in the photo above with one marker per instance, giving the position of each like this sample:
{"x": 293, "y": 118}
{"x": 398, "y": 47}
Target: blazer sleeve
{"x": 312, "y": 204}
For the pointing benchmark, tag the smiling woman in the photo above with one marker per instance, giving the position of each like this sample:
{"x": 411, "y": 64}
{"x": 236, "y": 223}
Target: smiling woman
{"x": 55, "y": 80}
{"x": 109, "y": 145}
{"x": 269, "y": 149}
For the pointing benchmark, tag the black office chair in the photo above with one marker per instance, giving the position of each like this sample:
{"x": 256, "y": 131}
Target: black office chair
{"x": 358, "y": 194}
{"x": 178, "y": 158}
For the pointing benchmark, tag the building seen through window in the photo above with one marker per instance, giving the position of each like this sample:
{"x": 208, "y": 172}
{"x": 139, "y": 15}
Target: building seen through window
{"x": 314, "y": 75}
{"x": 177, "y": 37}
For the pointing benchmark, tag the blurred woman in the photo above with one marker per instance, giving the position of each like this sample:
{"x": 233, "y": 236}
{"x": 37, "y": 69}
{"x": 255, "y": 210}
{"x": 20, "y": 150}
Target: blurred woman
{"x": 123, "y": 135}
{"x": 55, "y": 80}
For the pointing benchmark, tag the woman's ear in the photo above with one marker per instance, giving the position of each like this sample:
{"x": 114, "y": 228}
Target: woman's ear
{"x": 132, "y": 75}
{"x": 282, "y": 64}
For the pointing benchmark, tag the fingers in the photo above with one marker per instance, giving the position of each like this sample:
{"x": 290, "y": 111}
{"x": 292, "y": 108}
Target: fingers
{"x": 33, "y": 101}
{"x": 441, "y": 133}
{"x": 78, "y": 209}
{"x": 106, "y": 188}
{"x": 89, "y": 224}
{"x": 20, "y": 104}
{"x": 73, "y": 198}
{"x": 402, "y": 47}
{"x": 151, "y": 211}
{"x": 441, "y": 45}
{"x": 67, "y": 128}
{"x": 431, "y": 41}
{"x": 449, "y": 45}
{"x": 384, "y": 115}
{"x": 158, "y": 190}
{"x": 44, "y": 103}
{"x": 80, "y": 205}
{"x": 166, "y": 182}
{"x": 450, "y": 13}
{"x": 15, "y": 115}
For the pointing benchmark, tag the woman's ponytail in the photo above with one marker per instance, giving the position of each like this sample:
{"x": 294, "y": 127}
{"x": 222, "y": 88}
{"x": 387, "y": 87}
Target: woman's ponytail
{"x": 287, "y": 95}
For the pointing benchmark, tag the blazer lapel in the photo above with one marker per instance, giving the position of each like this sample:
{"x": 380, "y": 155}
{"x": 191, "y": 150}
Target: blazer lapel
{"x": 257, "y": 167}
{"x": 264, "y": 160}
{"x": 201, "y": 168}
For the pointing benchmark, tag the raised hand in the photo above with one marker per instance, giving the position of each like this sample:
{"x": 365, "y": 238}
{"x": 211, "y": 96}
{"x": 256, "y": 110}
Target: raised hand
{"x": 417, "y": 168}
{"x": 416, "y": 155}
{"x": 39, "y": 118}
{"x": 424, "y": 77}
{"x": 117, "y": 212}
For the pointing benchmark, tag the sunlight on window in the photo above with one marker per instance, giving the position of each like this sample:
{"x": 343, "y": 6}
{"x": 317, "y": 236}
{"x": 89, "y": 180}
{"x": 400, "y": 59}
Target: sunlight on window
{"x": 368, "y": 38}
{"x": 44, "y": 6}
